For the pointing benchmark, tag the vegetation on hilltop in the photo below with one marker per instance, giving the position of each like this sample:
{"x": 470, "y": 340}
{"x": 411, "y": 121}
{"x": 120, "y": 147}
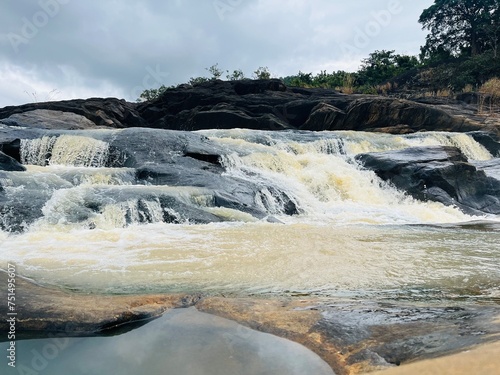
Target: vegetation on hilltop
{"x": 460, "y": 54}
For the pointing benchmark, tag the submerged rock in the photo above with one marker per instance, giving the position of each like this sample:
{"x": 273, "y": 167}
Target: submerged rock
{"x": 351, "y": 336}
{"x": 437, "y": 173}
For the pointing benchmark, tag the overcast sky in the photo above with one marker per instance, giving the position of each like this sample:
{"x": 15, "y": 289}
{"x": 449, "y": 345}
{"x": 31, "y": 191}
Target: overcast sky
{"x": 62, "y": 49}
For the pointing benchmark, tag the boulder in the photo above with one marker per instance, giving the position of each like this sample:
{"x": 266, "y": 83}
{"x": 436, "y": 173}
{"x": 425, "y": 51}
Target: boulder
{"x": 368, "y": 114}
{"x": 8, "y": 163}
{"x": 437, "y": 173}
{"x": 323, "y": 117}
{"x": 49, "y": 119}
{"x": 107, "y": 112}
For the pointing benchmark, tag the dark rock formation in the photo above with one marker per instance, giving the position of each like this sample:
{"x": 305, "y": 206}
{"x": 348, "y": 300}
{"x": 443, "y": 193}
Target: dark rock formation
{"x": 437, "y": 173}
{"x": 369, "y": 114}
{"x": 259, "y": 104}
{"x": 108, "y": 112}
{"x": 8, "y": 163}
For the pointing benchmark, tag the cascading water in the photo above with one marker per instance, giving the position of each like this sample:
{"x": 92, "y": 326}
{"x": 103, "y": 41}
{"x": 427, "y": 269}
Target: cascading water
{"x": 70, "y": 150}
{"x": 317, "y": 221}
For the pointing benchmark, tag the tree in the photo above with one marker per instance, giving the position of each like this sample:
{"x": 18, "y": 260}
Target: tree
{"x": 383, "y": 65}
{"x": 236, "y": 75}
{"x": 262, "y": 73}
{"x": 215, "y": 71}
{"x": 152, "y": 94}
{"x": 458, "y": 26}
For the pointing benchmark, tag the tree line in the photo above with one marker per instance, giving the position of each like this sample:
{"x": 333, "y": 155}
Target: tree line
{"x": 460, "y": 52}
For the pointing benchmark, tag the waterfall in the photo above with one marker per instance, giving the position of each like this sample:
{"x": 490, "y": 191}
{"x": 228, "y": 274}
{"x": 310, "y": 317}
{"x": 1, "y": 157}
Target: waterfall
{"x": 71, "y": 150}
{"x": 291, "y": 176}
{"x": 37, "y": 151}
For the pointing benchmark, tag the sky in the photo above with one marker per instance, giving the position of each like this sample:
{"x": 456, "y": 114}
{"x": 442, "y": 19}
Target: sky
{"x": 65, "y": 49}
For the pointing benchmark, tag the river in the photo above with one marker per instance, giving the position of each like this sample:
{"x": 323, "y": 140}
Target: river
{"x": 353, "y": 234}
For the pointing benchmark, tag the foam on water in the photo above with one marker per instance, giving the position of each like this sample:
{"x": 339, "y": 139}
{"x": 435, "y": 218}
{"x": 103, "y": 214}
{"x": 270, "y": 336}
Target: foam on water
{"x": 260, "y": 258}
{"x": 103, "y": 231}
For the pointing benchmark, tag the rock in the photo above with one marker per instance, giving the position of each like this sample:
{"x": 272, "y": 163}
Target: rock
{"x": 109, "y": 112}
{"x": 323, "y": 117}
{"x": 51, "y": 310}
{"x": 8, "y": 163}
{"x": 437, "y": 173}
{"x": 351, "y": 336}
{"x": 490, "y": 167}
{"x": 369, "y": 114}
{"x": 490, "y": 141}
{"x": 19, "y": 208}
{"x": 49, "y": 119}
{"x": 253, "y": 104}
{"x": 482, "y": 359}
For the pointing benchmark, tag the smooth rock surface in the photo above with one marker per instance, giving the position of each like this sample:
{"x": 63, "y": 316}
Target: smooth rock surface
{"x": 437, "y": 173}
{"x": 351, "y": 336}
{"x": 181, "y": 341}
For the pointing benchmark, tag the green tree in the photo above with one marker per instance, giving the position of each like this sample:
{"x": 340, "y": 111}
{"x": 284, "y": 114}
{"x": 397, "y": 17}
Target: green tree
{"x": 152, "y": 94}
{"x": 235, "y": 75}
{"x": 262, "y": 73}
{"x": 383, "y": 65}
{"x": 458, "y": 26}
{"x": 215, "y": 71}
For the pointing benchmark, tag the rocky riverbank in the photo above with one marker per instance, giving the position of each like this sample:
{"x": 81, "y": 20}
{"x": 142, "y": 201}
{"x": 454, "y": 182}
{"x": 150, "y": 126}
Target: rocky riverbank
{"x": 351, "y": 336}
{"x": 255, "y": 104}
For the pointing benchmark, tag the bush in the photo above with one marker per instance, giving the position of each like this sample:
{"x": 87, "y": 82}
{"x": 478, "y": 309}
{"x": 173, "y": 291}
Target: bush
{"x": 489, "y": 92}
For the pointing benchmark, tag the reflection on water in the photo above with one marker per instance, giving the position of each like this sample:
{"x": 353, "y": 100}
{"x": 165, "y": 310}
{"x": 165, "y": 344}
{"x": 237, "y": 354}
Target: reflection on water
{"x": 182, "y": 341}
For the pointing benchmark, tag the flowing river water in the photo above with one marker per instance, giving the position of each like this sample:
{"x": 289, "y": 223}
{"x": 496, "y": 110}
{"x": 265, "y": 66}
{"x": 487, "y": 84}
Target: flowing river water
{"x": 355, "y": 236}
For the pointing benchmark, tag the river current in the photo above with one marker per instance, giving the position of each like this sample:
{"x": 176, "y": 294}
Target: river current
{"x": 354, "y": 236}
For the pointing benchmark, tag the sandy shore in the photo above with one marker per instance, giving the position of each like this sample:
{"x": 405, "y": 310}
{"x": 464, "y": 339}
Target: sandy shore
{"x": 484, "y": 360}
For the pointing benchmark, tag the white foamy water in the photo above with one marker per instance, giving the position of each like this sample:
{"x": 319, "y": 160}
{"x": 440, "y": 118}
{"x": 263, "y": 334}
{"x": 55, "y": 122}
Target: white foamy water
{"x": 354, "y": 234}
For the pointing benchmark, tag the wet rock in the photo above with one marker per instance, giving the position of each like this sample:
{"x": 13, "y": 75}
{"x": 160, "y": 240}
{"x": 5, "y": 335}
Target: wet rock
{"x": 351, "y": 336}
{"x": 51, "y": 310}
{"x": 489, "y": 140}
{"x": 437, "y": 173}
{"x": 8, "y": 163}
{"x": 323, "y": 117}
{"x": 19, "y": 208}
{"x": 490, "y": 167}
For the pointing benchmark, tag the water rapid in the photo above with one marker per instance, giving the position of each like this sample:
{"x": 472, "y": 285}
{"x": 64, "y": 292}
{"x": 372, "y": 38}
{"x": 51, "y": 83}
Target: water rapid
{"x": 330, "y": 227}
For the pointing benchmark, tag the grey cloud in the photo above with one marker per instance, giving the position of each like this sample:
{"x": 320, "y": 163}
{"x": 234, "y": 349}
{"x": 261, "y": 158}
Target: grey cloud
{"x": 102, "y": 48}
